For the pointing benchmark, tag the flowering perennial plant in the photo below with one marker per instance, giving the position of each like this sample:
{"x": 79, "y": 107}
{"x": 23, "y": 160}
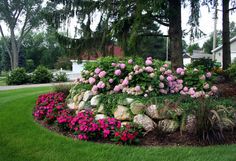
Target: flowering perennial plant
{"x": 151, "y": 76}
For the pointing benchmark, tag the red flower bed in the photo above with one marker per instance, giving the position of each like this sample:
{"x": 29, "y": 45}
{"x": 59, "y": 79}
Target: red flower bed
{"x": 51, "y": 109}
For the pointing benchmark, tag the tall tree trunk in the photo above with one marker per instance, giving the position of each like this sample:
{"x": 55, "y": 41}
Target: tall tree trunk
{"x": 14, "y": 50}
{"x": 225, "y": 35}
{"x": 175, "y": 33}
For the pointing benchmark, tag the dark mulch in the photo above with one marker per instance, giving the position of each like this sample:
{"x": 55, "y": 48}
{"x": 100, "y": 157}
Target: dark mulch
{"x": 227, "y": 89}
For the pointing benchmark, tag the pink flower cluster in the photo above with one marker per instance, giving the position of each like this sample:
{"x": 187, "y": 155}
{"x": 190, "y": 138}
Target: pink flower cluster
{"x": 48, "y": 106}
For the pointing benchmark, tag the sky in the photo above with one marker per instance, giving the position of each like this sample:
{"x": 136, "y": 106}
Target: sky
{"x": 206, "y": 23}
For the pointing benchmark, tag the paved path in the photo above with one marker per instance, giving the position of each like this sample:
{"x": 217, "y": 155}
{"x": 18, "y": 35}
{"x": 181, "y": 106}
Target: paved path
{"x": 3, "y": 88}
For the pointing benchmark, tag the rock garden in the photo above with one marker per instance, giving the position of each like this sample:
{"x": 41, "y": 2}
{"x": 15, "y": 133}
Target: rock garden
{"x": 141, "y": 101}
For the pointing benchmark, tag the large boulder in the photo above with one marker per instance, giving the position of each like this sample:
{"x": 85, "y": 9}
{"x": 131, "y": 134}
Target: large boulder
{"x": 152, "y": 111}
{"x": 72, "y": 106}
{"x": 146, "y": 122}
{"x": 81, "y": 105}
{"x": 95, "y": 100}
{"x": 168, "y": 126}
{"x": 122, "y": 113}
{"x": 87, "y": 95}
{"x": 137, "y": 107}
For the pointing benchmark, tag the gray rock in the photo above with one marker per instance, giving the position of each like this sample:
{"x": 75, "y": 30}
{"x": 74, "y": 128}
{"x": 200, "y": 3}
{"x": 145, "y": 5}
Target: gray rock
{"x": 122, "y": 113}
{"x": 124, "y": 123}
{"x": 146, "y": 122}
{"x": 72, "y": 106}
{"x": 101, "y": 109}
{"x": 191, "y": 122}
{"x": 137, "y": 107}
{"x": 87, "y": 95}
{"x": 80, "y": 97}
{"x": 126, "y": 101}
{"x": 95, "y": 100}
{"x": 168, "y": 126}
{"x": 152, "y": 111}
{"x": 100, "y": 116}
{"x": 81, "y": 105}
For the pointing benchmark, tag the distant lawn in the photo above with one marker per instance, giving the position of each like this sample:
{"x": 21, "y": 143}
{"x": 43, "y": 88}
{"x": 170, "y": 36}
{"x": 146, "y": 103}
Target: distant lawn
{"x": 2, "y": 81}
{"x": 21, "y": 139}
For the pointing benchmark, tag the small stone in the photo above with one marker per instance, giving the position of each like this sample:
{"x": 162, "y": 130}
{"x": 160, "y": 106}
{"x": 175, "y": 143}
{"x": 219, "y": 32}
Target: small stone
{"x": 81, "y": 105}
{"x": 146, "y": 122}
{"x": 71, "y": 106}
{"x": 124, "y": 123}
{"x": 100, "y": 116}
{"x": 191, "y": 123}
{"x": 101, "y": 109}
{"x": 95, "y": 100}
{"x": 168, "y": 126}
{"x": 122, "y": 113}
{"x": 137, "y": 107}
{"x": 75, "y": 98}
{"x": 87, "y": 95}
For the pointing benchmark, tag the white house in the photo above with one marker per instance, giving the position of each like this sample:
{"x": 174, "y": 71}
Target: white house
{"x": 196, "y": 55}
{"x": 217, "y": 52}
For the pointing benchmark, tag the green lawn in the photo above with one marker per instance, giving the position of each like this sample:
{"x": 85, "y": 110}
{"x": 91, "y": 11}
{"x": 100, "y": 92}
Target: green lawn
{"x": 2, "y": 81}
{"x": 21, "y": 139}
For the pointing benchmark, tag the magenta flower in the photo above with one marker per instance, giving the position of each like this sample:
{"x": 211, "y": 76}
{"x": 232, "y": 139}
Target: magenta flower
{"x": 122, "y": 66}
{"x": 97, "y": 70}
{"x": 102, "y": 74}
{"x": 92, "y": 80}
{"x": 117, "y": 72}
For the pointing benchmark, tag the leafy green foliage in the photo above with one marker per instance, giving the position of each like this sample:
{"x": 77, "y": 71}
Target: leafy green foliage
{"x": 232, "y": 71}
{"x": 60, "y": 77}
{"x": 64, "y": 88}
{"x": 17, "y": 76}
{"x": 41, "y": 75}
{"x": 205, "y": 64}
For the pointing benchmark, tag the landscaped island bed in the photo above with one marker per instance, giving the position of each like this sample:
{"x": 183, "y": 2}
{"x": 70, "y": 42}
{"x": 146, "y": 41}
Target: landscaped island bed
{"x": 145, "y": 102}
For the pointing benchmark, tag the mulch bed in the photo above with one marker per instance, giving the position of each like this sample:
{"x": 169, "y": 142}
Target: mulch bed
{"x": 227, "y": 89}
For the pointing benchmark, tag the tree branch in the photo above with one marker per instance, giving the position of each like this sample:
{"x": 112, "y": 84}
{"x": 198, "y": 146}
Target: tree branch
{"x": 232, "y": 9}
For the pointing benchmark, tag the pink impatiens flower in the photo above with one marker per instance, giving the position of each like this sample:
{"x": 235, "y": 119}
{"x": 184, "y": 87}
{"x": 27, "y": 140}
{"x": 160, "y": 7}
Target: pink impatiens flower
{"x": 117, "y": 72}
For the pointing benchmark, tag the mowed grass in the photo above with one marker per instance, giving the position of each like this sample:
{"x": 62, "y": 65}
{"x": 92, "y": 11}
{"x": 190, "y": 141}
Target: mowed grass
{"x": 22, "y": 139}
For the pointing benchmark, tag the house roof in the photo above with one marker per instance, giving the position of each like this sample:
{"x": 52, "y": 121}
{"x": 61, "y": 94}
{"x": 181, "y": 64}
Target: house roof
{"x": 185, "y": 55}
{"x": 198, "y": 54}
{"x": 220, "y": 47}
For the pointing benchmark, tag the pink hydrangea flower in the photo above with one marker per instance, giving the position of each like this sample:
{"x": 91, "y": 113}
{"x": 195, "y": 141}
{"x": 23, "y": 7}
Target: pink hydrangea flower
{"x": 182, "y": 93}
{"x": 116, "y": 88}
{"x": 208, "y": 74}
{"x": 92, "y": 80}
{"x": 102, "y": 74}
{"x": 169, "y": 78}
{"x": 202, "y": 77}
{"x": 185, "y": 89}
{"x": 179, "y": 70}
{"x": 161, "y": 77}
{"x": 130, "y": 61}
{"x": 214, "y": 89}
{"x": 163, "y": 91}
{"x": 149, "y": 69}
{"x": 113, "y": 64}
{"x": 191, "y": 91}
{"x": 182, "y": 73}
{"x": 206, "y": 86}
{"x": 148, "y": 62}
{"x": 125, "y": 82}
{"x": 137, "y": 88}
{"x": 162, "y": 69}
{"x": 149, "y": 58}
{"x": 166, "y": 65}
{"x": 101, "y": 85}
{"x": 111, "y": 80}
{"x": 97, "y": 70}
{"x": 117, "y": 72}
{"x": 161, "y": 85}
{"x": 94, "y": 88}
{"x": 180, "y": 81}
{"x": 122, "y": 66}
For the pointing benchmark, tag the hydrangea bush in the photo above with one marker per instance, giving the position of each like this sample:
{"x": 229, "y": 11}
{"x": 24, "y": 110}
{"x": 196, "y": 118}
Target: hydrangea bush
{"x": 132, "y": 76}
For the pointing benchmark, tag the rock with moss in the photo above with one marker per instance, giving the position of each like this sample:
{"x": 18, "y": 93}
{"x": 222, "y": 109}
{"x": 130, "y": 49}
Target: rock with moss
{"x": 101, "y": 109}
{"x": 87, "y": 95}
{"x": 81, "y": 105}
{"x": 146, "y": 122}
{"x": 126, "y": 101}
{"x": 191, "y": 123}
{"x": 168, "y": 126}
{"x": 95, "y": 100}
{"x": 122, "y": 113}
{"x": 152, "y": 111}
{"x": 137, "y": 107}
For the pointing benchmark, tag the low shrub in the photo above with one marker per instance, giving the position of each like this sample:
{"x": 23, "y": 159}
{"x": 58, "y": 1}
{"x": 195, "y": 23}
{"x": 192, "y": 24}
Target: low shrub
{"x": 232, "y": 71}
{"x": 17, "y": 76}
{"x": 63, "y": 88}
{"x": 41, "y": 75}
{"x": 60, "y": 77}
{"x": 205, "y": 64}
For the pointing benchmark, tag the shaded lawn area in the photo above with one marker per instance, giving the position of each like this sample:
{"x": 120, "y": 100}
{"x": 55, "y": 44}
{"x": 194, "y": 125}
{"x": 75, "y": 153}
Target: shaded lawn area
{"x": 2, "y": 81}
{"x": 22, "y": 139}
